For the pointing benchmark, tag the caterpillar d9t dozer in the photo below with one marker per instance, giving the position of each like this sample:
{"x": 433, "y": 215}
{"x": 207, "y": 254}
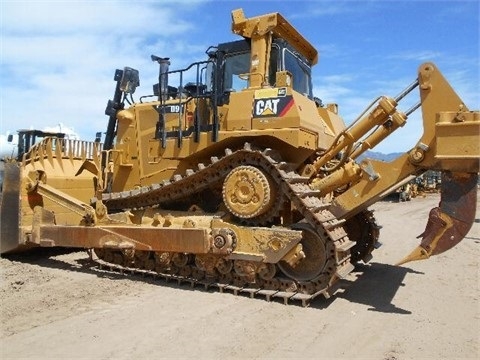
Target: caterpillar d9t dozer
{"x": 231, "y": 173}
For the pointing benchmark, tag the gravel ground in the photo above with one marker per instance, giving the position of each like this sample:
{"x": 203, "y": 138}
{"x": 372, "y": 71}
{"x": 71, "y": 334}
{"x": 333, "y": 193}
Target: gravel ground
{"x": 56, "y": 304}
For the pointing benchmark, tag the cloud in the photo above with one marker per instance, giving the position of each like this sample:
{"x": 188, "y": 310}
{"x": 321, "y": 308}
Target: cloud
{"x": 418, "y": 56}
{"x": 87, "y": 17}
{"x": 332, "y": 87}
{"x": 69, "y": 132}
{"x": 314, "y": 9}
{"x": 59, "y": 58}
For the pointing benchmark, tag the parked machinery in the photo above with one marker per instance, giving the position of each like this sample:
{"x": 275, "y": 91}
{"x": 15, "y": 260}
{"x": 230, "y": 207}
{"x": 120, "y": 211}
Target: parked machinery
{"x": 237, "y": 176}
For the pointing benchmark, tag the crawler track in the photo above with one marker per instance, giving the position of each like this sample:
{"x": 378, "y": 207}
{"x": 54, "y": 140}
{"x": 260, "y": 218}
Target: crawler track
{"x": 258, "y": 292}
{"x": 291, "y": 186}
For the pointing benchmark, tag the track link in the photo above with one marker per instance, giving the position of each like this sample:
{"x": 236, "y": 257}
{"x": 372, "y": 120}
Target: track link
{"x": 291, "y": 186}
{"x": 259, "y": 292}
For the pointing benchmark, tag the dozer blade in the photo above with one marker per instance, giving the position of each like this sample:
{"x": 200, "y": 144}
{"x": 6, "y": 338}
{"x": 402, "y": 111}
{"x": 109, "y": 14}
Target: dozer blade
{"x": 10, "y": 208}
{"x": 449, "y": 222}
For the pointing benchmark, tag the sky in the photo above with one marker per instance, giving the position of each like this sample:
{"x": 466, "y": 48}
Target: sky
{"x": 58, "y": 57}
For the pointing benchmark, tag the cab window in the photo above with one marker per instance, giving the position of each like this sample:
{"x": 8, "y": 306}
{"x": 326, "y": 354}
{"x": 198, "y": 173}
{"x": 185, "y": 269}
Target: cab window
{"x": 235, "y": 65}
{"x": 300, "y": 71}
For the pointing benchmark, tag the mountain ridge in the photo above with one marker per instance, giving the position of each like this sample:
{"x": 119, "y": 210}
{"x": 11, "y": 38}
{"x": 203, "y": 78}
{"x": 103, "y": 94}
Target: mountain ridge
{"x": 379, "y": 156}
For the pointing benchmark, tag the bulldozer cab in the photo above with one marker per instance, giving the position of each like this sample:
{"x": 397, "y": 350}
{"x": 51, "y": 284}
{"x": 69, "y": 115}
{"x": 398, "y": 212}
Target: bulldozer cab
{"x": 234, "y": 61}
{"x": 190, "y": 98}
{"x": 208, "y": 101}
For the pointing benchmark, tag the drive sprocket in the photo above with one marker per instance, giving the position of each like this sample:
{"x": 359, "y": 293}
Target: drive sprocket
{"x": 248, "y": 192}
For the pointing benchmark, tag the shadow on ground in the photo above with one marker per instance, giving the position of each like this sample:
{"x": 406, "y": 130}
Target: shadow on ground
{"x": 375, "y": 284}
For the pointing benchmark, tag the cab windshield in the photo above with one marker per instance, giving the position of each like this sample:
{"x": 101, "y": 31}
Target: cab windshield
{"x": 236, "y": 67}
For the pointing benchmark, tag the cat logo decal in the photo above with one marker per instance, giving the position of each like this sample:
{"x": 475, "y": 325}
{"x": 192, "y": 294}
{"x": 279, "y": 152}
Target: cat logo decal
{"x": 271, "y": 103}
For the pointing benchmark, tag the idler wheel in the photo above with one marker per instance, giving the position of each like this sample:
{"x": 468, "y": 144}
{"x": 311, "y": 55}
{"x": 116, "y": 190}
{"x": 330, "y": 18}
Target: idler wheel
{"x": 248, "y": 192}
{"x": 315, "y": 259}
{"x": 362, "y": 229}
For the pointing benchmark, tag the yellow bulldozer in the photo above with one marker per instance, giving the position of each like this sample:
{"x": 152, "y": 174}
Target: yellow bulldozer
{"x": 232, "y": 174}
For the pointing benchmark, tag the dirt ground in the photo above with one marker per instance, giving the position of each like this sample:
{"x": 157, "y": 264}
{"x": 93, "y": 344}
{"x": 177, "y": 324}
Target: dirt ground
{"x": 55, "y": 304}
